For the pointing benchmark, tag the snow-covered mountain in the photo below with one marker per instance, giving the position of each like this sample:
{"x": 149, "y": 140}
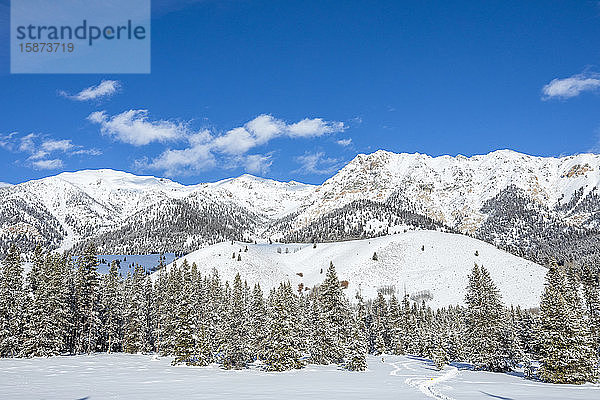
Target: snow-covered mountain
{"x": 266, "y": 197}
{"x": 532, "y": 206}
{"x": 529, "y": 205}
{"x": 424, "y": 263}
{"x": 453, "y": 190}
{"x": 62, "y": 210}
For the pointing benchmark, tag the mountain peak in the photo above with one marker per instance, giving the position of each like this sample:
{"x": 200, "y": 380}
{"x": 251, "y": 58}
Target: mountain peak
{"x": 107, "y": 176}
{"x": 246, "y": 179}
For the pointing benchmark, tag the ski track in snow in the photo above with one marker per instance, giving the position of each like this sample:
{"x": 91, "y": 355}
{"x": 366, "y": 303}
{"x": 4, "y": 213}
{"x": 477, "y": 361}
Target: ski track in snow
{"x": 425, "y": 385}
{"x": 137, "y": 376}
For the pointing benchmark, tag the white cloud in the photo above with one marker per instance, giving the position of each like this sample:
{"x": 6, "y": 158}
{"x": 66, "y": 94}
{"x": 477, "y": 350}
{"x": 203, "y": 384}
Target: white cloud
{"x": 134, "y": 127}
{"x": 46, "y": 147}
{"x": 174, "y": 162}
{"x": 204, "y": 148}
{"x": 317, "y": 163}
{"x": 570, "y": 87}
{"x": 258, "y": 163}
{"x": 38, "y": 154}
{"x": 196, "y": 157}
{"x": 265, "y": 127}
{"x": 236, "y": 141}
{"x": 87, "y": 152}
{"x": 314, "y": 127}
{"x": 344, "y": 142}
{"x": 48, "y": 164}
{"x": 42, "y": 151}
{"x": 7, "y": 142}
{"x": 105, "y": 88}
{"x": 27, "y": 143}
{"x": 55, "y": 145}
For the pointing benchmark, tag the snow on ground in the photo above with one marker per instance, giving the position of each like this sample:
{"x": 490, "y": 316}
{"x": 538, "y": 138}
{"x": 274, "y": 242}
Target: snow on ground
{"x": 441, "y": 267}
{"x": 125, "y": 376}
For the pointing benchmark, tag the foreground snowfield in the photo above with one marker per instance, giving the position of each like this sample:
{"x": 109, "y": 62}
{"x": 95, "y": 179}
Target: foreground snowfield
{"x": 124, "y": 376}
{"x": 415, "y": 260}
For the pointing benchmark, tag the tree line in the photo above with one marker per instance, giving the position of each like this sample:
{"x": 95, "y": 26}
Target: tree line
{"x": 64, "y": 306}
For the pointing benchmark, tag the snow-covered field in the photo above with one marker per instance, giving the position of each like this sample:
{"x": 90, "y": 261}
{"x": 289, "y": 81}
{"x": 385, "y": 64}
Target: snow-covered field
{"x": 123, "y": 376}
{"x": 415, "y": 260}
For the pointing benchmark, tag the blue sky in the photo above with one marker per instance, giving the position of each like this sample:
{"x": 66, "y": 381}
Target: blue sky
{"x": 293, "y": 90}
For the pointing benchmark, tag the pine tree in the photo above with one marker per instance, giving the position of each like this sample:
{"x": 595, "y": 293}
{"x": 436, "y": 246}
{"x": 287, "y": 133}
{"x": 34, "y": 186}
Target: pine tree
{"x": 591, "y": 290}
{"x": 529, "y": 333}
{"x": 216, "y": 329}
{"x": 304, "y": 322}
{"x": 58, "y": 304}
{"x": 357, "y": 349}
{"x": 568, "y": 355}
{"x": 409, "y": 333}
{"x": 440, "y": 356}
{"x": 336, "y": 312}
{"x": 380, "y": 322}
{"x": 88, "y": 301}
{"x": 236, "y": 353}
{"x": 511, "y": 342}
{"x": 112, "y": 306}
{"x": 46, "y": 325}
{"x": 257, "y": 313}
{"x": 184, "y": 345}
{"x": 147, "y": 317}
{"x": 320, "y": 340}
{"x": 12, "y": 304}
{"x": 455, "y": 345}
{"x": 201, "y": 305}
{"x": 395, "y": 326}
{"x": 70, "y": 284}
{"x": 281, "y": 351}
{"x": 161, "y": 263}
{"x": 34, "y": 334}
{"x": 485, "y": 322}
{"x": 134, "y": 318}
{"x": 160, "y": 305}
{"x": 170, "y": 310}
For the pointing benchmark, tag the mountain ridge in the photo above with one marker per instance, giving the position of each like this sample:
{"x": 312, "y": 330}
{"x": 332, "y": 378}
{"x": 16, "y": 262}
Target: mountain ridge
{"x": 359, "y": 155}
{"x": 374, "y": 194}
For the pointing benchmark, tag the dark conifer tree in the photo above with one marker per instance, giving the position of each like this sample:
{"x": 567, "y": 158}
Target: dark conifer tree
{"x": 112, "y": 307}
{"x": 236, "y": 354}
{"x": 568, "y": 355}
{"x": 281, "y": 351}
{"x": 257, "y": 313}
{"x": 485, "y": 322}
{"x": 88, "y": 301}
{"x": 12, "y": 304}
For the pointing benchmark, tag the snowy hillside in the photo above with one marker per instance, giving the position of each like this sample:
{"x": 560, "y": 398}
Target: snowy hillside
{"x": 440, "y": 268}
